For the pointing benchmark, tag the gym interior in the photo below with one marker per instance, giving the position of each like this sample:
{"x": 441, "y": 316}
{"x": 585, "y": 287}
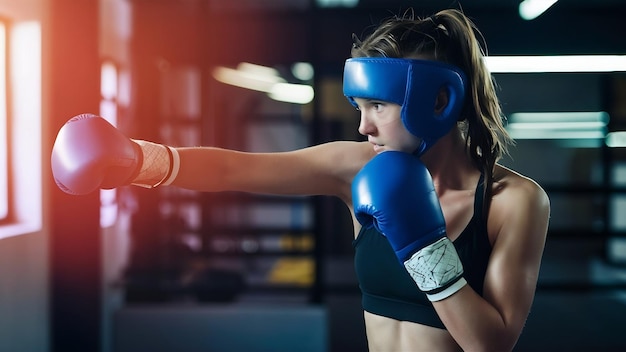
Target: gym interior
{"x": 132, "y": 269}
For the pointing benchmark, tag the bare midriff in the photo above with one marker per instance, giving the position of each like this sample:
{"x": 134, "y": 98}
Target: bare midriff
{"x": 386, "y": 334}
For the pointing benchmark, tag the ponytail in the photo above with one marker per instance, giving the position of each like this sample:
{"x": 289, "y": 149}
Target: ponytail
{"x": 486, "y": 139}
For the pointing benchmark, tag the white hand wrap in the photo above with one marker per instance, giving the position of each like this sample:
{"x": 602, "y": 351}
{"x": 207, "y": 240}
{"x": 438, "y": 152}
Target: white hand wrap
{"x": 437, "y": 270}
{"x": 160, "y": 165}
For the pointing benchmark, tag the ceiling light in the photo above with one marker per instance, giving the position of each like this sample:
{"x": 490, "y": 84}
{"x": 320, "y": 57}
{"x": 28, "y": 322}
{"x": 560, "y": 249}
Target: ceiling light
{"x": 616, "y": 139}
{"x": 303, "y": 71}
{"x": 337, "y": 3}
{"x": 264, "y": 79}
{"x": 531, "y": 9}
{"x": 292, "y": 93}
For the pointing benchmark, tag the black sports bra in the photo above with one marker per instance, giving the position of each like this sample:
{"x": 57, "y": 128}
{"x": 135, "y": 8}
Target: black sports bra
{"x": 388, "y": 290}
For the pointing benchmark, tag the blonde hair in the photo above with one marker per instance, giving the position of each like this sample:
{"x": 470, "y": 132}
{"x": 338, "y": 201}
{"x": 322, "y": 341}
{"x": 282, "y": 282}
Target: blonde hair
{"x": 449, "y": 36}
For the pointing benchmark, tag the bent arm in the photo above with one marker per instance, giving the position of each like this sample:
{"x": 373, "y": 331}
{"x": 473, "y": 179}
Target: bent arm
{"x": 495, "y": 321}
{"x": 325, "y": 169}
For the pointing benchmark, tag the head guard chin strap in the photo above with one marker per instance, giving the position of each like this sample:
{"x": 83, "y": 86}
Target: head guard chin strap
{"x": 412, "y": 84}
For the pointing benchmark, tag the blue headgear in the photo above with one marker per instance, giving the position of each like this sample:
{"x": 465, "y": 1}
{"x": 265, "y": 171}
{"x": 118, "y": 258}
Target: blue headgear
{"x": 412, "y": 84}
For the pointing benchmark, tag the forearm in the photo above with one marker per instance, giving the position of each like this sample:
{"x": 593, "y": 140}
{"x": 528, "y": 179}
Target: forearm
{"x": 475, "y": 324}
{"x": 289, "y": 173}
{"x": 199, "y": 168}
{"x": 205, "y": 169}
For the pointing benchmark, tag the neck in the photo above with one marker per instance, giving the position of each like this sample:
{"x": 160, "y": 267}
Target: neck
{"x": 450, "y": 165}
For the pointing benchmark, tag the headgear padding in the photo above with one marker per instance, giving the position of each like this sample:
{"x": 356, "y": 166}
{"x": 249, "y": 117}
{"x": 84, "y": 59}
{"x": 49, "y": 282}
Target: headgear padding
{"x": 412, "y": 84}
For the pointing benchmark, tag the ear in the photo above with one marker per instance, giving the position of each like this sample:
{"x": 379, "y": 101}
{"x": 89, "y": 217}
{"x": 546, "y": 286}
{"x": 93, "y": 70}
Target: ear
{"x": 442, "y": 101}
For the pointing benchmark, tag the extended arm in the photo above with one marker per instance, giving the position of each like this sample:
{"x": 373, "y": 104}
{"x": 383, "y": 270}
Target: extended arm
{"x": 89, "y": 154}
{"x": 324, "y": 169}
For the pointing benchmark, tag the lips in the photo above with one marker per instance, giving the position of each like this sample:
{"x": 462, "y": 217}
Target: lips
{"x": 378, "y": 147}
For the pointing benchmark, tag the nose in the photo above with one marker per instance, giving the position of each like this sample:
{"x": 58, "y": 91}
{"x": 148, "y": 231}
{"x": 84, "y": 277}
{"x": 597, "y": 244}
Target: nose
{"x": 366, "y": 127}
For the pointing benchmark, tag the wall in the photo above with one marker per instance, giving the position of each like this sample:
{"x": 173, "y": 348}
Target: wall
{"x": 24, "y": 293}
{"x": 49, "y": 276}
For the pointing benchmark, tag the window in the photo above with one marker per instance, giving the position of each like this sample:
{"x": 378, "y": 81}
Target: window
{"x": 4, "y": 146}
{"x": 20, "y": 128}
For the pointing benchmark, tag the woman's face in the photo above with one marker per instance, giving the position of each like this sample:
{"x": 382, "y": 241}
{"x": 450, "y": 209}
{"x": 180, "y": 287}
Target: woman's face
{"x": 381, "y": 123}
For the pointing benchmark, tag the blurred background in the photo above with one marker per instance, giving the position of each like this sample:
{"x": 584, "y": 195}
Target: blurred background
{"x": 172, "y": 270}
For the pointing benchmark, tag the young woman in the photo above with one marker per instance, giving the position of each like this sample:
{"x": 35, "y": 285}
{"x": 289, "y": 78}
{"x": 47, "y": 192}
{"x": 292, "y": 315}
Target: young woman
{"x": 425, "y": 99}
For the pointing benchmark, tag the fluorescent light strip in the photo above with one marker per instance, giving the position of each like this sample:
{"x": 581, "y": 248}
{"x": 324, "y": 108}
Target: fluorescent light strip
{"x": 560, "y": 63}
{"x": 558, "y": 125}
{"x": 616, "y": 139}
{"x": 265, "y": 79}
{"x": 246, "y": 79}
{"x": 573, "y": 125}
{"x": 570, "y": 116}
{"x": 292, "y": 93}
{"x": 556, "y": 134}
{"x": 336, "y": 3}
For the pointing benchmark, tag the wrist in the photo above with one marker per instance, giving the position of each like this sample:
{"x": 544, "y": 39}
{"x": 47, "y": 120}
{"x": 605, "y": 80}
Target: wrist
{"x": 437, "y": 269}
{"x": 448, "y": 291}
{"x": 160, "y": 165}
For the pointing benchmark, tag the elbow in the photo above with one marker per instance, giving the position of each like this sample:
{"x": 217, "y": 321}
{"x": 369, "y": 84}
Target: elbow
{"x": 490, "y": 346}
{"x": 491, "y": 340}
{"x": 501, "y": 346}
{"x": 499, "y": 342}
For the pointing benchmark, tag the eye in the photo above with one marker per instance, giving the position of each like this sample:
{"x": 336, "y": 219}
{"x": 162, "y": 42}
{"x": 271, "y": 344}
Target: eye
{"x": 377, "y": 106}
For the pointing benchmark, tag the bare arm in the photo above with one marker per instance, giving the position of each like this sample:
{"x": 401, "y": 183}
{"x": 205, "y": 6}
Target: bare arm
{"x": 494, "y": 322}
{"x": 325, "y": 169}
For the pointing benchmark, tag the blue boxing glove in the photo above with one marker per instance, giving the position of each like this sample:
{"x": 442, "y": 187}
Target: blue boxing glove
{"x": 394, "y": 192}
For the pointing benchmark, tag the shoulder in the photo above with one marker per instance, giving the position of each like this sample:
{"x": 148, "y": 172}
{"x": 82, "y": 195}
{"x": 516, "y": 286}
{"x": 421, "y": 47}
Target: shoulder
{"x": 344, "y": 156}
{"x": 511, "y": 186}
{"x": 363, "y": 149}
{"x": 329, "y": 155}
{"x": 520, "y": 206}
{"x": 350, "y": 157}
{"x": 339, "y": 160}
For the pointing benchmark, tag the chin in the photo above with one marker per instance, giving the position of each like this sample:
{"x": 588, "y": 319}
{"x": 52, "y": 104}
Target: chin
{"x": 381, "y": 149}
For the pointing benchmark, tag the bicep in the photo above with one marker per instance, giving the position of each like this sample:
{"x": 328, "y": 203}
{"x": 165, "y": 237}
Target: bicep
{"x": 516, "y": 256}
